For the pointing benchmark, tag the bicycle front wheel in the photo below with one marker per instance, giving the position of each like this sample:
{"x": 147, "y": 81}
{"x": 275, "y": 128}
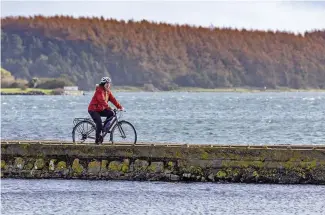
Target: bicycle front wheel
{"x": 123, "y": 133}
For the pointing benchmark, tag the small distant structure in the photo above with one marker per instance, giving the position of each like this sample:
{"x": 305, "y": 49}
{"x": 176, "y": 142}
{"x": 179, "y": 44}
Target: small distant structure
{"x": 72, "y": 90}
{"x": 211, "y": 27}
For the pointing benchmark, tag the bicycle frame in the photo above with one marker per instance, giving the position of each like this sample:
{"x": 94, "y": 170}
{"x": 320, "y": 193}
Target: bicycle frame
{"x": 114, "y": 120}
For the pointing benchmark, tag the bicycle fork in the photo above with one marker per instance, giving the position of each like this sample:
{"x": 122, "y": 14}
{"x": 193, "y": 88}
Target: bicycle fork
{"x": 121, "y": 131}
{"x": 109, "y": 129}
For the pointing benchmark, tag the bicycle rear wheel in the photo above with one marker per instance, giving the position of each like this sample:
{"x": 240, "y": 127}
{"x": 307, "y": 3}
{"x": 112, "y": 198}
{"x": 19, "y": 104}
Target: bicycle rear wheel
{"x": 123, "y": 132}
{"x": 84, "y": 131}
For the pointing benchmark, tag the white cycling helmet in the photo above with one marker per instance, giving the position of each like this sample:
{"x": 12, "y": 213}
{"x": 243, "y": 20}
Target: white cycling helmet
{"x": 104, "y": 80}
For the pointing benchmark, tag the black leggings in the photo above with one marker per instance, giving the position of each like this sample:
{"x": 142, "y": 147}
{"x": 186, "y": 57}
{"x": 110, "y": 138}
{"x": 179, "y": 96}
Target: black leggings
{"x": 96, "y": 117}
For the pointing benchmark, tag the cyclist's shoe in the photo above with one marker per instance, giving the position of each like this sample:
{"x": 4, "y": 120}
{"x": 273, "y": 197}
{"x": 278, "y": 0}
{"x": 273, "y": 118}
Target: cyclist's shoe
{"x": 99, "y": 140}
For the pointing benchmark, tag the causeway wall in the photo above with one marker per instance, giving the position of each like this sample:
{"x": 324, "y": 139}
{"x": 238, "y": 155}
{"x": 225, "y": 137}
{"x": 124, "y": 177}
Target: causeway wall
{"x": 277, "y": 164}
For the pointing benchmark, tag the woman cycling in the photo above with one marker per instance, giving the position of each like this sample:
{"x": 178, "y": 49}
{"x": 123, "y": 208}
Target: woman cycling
{"x": 98, "y": 106}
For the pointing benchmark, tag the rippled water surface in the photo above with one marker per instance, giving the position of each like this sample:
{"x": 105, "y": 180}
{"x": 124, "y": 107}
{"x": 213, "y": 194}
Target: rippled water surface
{"x": 239, "y": 118}
{"x": 227, "y": 118}
{"x": 113, "y": 197}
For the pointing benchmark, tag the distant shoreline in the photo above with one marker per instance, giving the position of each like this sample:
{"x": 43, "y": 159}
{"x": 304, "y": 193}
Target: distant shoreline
{"x": 37, "y": 92}
{"x": 221, "y": 90}
{"x": 31, "y": 91}
{"x": 28, "y": 91}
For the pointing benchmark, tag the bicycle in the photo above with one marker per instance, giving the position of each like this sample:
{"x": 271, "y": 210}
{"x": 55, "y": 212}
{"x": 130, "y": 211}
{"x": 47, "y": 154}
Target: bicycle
{"x": 116, "y": 127}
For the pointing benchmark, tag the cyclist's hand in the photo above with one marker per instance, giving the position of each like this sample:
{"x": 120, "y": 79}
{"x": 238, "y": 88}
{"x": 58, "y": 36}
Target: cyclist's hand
{"x": 121, "y": 109}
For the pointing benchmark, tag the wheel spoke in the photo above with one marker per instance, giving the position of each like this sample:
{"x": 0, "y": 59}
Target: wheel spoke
{"x": 124, "y": 132}
{"x": 83, "y": 131}
{"x": 121, "y": 132}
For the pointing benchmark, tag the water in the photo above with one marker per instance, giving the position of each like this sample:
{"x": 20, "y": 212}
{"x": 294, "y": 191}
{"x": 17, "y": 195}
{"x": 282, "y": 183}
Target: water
{"x": 203, "y": 118}
{"x": 239, "y": 118}
{"x": 114, "y": 197}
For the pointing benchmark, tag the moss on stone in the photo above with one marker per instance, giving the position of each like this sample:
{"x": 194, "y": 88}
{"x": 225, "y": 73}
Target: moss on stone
{"x": 221, "y": 174}
{"x": 170, "y": 165}
{"x": 114, "y": 166}
{"x": 156, "y": 167}
{"x": 25, "y": 147}
{"x": 152, "y": 168}
{"x": 77, "y": 168}
{"x": 40, "y": 155}
{"x": 61, "y": 165}
{"x": 295, "y": 163}
{"x": 183, "y": 166}
{"x": 94, "y": 167}
{"x": 29, "y": 165}
{"x": 129, "y": 153}
{"x": 103, "y": 166}
{"x": 125, "y": 165}
{"x": 289, "y": 164}
{"x": 242, "y": 163}
{"x": 300, "y": 172}
{"x": 39, "y": 164}
{"x": 125, "y": 168}
{"x": 255, "y": 174}
{"x": 268, "y": 174}
{"x": 19, "y": 163}
{"x": 94, "y": 164}
{"x": 205, "y": 156}
{"x": 178, "y": 154}
{"x": 232, "y": 172}
{"x": 310, "y": 165}
{"x": 196, "y": 170}
{"x": 3, "y": 164}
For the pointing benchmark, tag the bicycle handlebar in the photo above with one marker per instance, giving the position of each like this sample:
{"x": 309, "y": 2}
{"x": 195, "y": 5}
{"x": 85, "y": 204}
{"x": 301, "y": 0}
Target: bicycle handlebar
{"x": 118, "y": 110}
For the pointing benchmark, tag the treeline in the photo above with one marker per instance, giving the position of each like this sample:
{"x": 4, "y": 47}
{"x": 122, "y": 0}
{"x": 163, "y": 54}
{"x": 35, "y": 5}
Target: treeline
{"x": 9, "y": 81}
{"x": 166, "y": 56}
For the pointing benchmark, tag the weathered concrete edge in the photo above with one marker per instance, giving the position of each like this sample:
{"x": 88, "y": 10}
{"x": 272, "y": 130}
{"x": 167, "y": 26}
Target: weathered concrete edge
{"x": 201, "y": 163}
{"x": 254, "y": 146}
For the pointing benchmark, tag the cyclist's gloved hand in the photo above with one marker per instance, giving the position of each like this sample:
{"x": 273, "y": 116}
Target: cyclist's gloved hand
{"x": 122, "y": 109}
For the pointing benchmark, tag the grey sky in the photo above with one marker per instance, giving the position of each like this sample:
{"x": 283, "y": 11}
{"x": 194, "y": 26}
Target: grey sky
{"x": 264, "y": 15}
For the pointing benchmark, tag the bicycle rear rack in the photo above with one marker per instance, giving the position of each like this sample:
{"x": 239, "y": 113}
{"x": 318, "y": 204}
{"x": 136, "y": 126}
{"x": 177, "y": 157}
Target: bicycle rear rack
{"x": 77, "y": 120}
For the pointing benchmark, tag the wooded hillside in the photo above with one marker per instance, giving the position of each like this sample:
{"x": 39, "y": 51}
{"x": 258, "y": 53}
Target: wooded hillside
{"x": 137, "y": 53}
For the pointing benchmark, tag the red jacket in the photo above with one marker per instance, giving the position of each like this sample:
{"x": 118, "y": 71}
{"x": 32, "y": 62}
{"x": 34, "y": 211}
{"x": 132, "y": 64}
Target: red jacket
{"x": 99, "y": 102}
